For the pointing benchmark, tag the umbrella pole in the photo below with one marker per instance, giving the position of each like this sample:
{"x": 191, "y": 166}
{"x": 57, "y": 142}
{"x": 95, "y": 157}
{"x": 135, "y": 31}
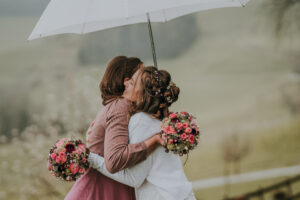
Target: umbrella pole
{"x": 152, "y": 41}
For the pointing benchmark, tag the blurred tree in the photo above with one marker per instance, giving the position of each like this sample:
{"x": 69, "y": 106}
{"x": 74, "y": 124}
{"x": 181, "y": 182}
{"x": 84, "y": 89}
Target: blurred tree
{"x": 280, "y": 8}
{"x": 234, "y": 149}
{"x": 14, "y": 113}
{"x": 171, "y": 39}
{"x": 287, "y": 16}
{"x": 291, "y": 96}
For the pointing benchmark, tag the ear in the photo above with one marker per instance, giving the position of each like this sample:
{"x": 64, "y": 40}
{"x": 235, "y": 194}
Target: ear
{"x": 125, "y": 81}
{"x": 142, "y": 65}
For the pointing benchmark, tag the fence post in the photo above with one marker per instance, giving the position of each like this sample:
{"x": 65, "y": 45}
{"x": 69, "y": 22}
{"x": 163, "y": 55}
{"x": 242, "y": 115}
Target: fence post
{"x": 261, "y": 193}
{"x": 290, "y": 191}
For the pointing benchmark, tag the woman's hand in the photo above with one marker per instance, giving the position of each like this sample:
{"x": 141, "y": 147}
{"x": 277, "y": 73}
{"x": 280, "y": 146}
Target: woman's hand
{"x": 159, "y": 139}
{"x": 153, "y": 142}
{"x": 95, "y": 160}
{"x": 91, "y": 159}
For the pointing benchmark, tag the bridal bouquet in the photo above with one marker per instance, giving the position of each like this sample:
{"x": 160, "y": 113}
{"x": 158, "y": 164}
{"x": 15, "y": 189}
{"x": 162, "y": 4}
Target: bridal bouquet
{"x": 180, "y": 133}
{"x": 68, "y": 159}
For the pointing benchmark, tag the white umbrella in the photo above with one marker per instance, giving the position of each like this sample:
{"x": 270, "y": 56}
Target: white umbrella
{"x": 85, "y": 16}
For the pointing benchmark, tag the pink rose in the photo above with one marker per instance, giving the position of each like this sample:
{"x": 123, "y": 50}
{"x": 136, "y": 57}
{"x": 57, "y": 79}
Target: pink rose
{"x": 81, "y": 170}
{"x": 57, "y": 160}
{"x": 61, "y": 154}
{"x": 188, "y": 130}
{"x": 84, "y": 160}
{"x": 170, "y": 141}
{"x": 53, "y": 156}
{"x": 171, "y": 131}
{"x": 167, "y": 129}
{"x": 183, "y": 136}
{"x": 63, "y": 157}
{"x": 73, "y": 168}
{"x": 172, "y": 115}
{"x": 191, "y": 139}
{"x": 178, "y": 125}
{"x": 185, "y": 125}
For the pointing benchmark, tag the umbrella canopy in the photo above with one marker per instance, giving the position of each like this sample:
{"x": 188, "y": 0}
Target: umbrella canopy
{"x": 84, "y": 16}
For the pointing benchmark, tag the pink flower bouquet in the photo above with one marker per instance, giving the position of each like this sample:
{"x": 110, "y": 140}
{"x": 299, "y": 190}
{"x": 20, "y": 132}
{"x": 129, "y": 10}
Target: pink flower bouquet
{"x": 180, "y": 133}
{"x": 68, "y": 159}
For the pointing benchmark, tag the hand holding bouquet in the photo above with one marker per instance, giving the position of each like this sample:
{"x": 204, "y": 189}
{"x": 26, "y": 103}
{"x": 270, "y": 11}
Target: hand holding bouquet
{"x": 180, "y": 133}
{"x": 68, "y": 159}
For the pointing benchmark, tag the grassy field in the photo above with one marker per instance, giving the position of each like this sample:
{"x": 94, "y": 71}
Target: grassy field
{"x": 231, "y": 79}
{"x": 271, "y": 148}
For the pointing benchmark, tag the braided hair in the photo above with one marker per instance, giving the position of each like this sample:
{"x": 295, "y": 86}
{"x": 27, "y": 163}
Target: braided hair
{"x": 157, "y": 93}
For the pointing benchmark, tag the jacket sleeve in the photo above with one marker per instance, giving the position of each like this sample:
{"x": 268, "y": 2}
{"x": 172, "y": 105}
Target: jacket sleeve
{"x": 118, "y": 154}
{"x": 134, "y": 176}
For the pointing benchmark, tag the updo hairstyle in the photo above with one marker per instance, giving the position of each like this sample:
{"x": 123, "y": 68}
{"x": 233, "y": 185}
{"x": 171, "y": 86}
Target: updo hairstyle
{"x": 157, "y": 93}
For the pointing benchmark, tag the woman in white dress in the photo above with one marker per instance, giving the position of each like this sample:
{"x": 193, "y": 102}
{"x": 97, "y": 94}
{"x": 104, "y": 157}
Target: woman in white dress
{"x": 161, "y": 175}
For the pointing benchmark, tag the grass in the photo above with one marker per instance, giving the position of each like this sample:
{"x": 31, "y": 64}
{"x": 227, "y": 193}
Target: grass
{"x": 275, "y": 147}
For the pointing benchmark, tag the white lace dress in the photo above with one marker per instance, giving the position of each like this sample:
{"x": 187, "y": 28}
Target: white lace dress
{"x": 160, "y": 176}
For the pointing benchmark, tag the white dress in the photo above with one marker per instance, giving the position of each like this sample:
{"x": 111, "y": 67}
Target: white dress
{"x": 160, "y": 176}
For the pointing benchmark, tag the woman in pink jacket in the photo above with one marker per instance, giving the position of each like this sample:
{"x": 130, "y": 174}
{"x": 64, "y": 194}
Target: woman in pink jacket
{"x": 108, "y": 137}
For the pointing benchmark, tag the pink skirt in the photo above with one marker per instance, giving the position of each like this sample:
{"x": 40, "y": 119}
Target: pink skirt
{"x": 95, "y": 186}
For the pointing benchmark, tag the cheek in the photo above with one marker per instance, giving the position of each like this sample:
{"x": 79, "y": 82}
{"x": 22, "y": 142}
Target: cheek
{"x": 126, "y": 85}
{"x": 129, "y": 87}
{"x": 138, "y": 87}
{"x": 138, "y": 93}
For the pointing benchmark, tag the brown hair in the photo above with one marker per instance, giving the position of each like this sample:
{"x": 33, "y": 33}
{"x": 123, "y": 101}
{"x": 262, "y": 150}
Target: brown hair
{"x": 157, "y": 94}
{"x": 112, "y": 83}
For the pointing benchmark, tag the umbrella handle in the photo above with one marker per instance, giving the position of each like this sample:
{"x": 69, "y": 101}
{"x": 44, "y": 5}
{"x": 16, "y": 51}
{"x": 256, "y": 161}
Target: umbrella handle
{"x": 152, "y": 41}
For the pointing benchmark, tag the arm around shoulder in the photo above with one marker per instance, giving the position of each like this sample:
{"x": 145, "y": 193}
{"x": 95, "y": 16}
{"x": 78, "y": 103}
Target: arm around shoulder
{"x": 118, "y": 153}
